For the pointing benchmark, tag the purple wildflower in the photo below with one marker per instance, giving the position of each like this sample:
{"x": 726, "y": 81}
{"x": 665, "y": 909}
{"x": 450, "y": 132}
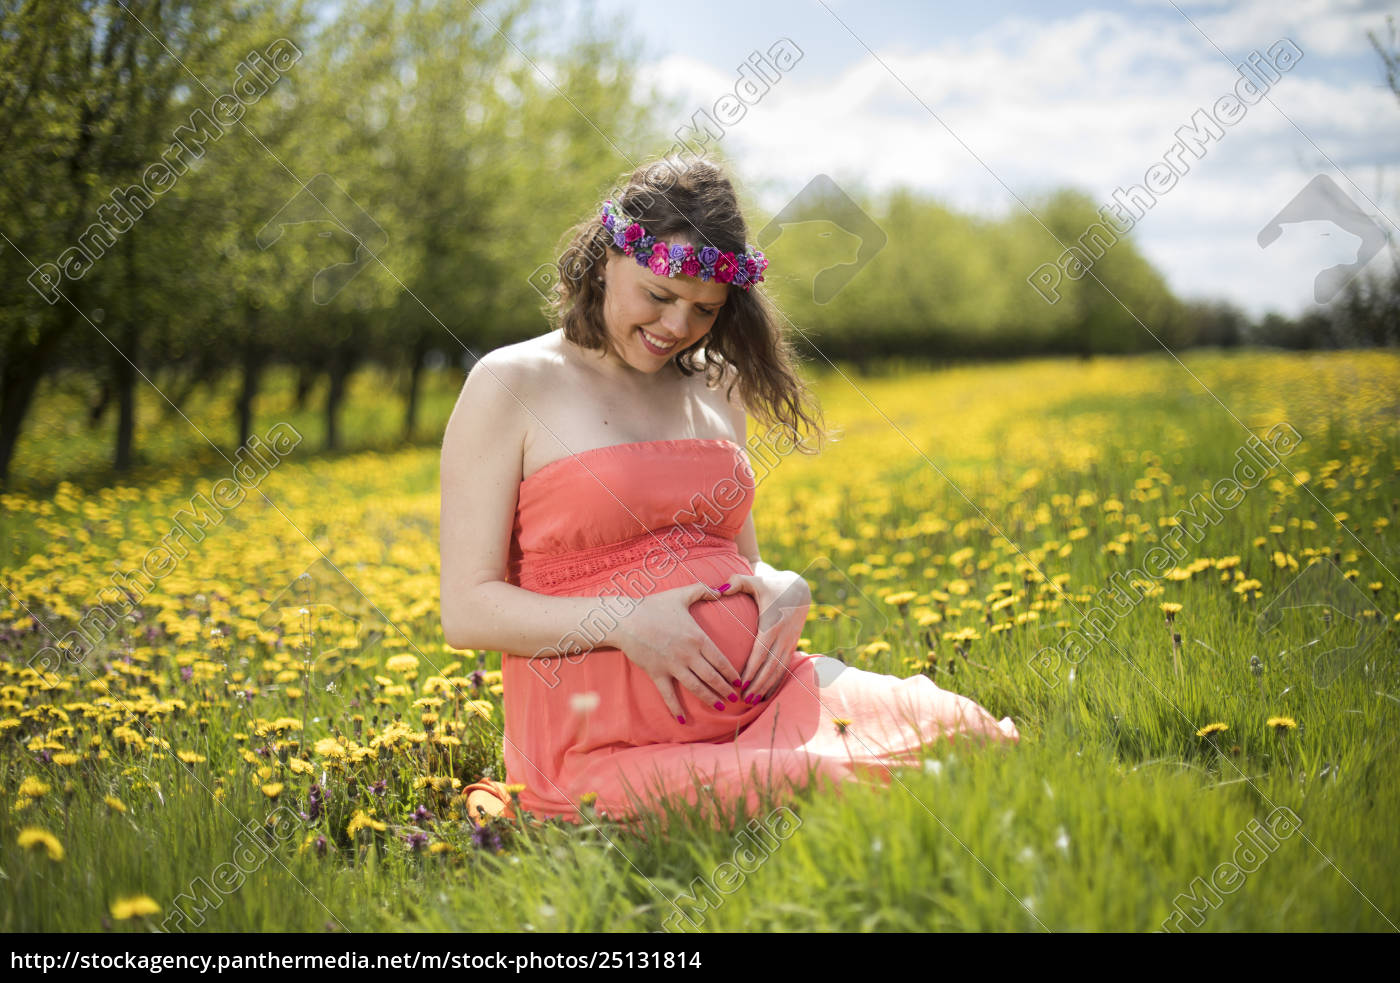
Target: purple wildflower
{"x": 486, "y": 838}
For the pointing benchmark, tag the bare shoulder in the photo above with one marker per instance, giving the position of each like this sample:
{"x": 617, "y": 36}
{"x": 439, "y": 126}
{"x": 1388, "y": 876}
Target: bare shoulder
{"x": 500, "y": 386}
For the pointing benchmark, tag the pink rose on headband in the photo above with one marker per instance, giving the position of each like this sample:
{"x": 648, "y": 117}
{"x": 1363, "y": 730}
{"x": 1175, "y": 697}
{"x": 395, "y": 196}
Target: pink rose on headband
{"x": 690, "y": 266}
{"x": 635, "y": 232}
{"x": 660, "y": 259}
{"x": 725, "y": 267}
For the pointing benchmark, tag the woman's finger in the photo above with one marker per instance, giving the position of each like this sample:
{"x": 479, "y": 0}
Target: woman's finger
{"x": 774, "y": 672}
{"x": 700, "y": 592}
{"x": 763, "y": 680}
{"x": 742, "y": 583}
{"x": 757, "y": 659}
{"x": 666, "y": 686}
{"x": 711, "y": 666}
{"x": 702, "y": 690}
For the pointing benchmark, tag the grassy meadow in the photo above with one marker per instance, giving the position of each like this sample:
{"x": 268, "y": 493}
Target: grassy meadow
{"x": 266, "y": 744}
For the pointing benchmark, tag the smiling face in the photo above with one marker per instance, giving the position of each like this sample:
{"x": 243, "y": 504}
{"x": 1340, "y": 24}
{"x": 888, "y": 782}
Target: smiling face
{"x": 651, "y": 318}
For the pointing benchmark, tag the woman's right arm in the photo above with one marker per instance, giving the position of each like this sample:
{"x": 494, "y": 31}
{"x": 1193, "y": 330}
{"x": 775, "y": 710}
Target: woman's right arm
{"x": 481, "y": 468}
{"x": 482, "y": 453}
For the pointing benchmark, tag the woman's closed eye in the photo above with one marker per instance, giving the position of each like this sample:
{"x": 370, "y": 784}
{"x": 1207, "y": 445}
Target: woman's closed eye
{"x": 708, "y": 312}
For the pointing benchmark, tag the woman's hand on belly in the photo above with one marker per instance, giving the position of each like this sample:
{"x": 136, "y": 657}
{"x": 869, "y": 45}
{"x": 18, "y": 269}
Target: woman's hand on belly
{"x": 662, "y": 639}
{"x": 783, "y": 598}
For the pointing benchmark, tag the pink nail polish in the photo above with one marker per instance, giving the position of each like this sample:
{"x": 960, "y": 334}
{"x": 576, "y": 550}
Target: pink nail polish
{"x": 719, "y": 705}
{"x": 680, "y": 719}
{"x": 744, "y": 685}
{"x": 739, "y": 683}
{"x": 722, "y": 588}
{"x": 733, "y": 697}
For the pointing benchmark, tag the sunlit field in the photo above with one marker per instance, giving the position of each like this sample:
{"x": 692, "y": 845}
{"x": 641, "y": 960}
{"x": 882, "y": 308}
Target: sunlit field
{"x": 275, "y": 737}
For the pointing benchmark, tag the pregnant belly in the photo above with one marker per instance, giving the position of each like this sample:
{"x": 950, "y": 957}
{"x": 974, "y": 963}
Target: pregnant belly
{"x": 732, "y": 624}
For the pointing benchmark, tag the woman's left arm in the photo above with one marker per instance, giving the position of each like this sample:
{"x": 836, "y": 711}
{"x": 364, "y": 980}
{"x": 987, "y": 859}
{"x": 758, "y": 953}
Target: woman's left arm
{"x": 783, "y": 596}
{"x": 784, "y": 599}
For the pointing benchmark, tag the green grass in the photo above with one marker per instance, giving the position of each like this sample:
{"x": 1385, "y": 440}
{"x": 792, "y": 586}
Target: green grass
{"x": 1109, "y": 815}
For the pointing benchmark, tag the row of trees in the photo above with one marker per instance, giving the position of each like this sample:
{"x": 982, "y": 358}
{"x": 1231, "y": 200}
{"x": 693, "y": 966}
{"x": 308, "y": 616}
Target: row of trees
{"x": 387, "y": 191}
{"x": 194, "y": 188}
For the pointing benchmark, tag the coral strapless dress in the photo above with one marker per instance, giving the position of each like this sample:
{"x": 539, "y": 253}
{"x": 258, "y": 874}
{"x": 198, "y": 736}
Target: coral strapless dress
{"x": 628, "y": 520}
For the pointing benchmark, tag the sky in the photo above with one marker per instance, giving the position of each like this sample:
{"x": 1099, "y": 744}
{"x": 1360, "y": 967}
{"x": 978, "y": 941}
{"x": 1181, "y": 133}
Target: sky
{"x": 989, "y": 105}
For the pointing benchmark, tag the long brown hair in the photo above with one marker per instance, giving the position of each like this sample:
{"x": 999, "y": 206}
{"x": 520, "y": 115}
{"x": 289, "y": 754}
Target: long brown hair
{"x": 696, "y": 201}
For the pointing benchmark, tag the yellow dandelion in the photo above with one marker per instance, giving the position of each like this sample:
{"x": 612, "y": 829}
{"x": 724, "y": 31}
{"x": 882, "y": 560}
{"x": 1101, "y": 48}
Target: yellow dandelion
{"x": 272, "y": 790}
{"x": 901, "y": 598}
{"x": 330, "y": 747}
{"x": 114, "y": 803}
{"x": 842, "y": 725}
{"x": 1210, "y": 729}
{"x": 34, "y": 838}
{"x": 587, "y": 799}
{"x": 402, "y": 664}
{"x": 360, "y": 820}
{"x": 136, "y": 906}
{"x": 514, "y": 789}
{"x": 33, "y": 787}
{"x": 65, "y": 758}
{"x": 190, "y": 757}
{"x": 1281, "y": 724}
{"x": 481, "y": 708}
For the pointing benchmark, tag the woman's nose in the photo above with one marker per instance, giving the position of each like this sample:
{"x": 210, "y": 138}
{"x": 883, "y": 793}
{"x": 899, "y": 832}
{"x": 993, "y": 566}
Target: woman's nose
{"x": 673, "y": 320}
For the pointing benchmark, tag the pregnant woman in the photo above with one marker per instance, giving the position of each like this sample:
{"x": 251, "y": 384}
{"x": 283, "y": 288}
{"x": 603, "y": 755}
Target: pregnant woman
{"x": 596, "y": 528}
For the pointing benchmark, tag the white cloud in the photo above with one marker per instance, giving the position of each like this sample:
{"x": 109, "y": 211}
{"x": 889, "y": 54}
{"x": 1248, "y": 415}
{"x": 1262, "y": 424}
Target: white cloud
{"x": 1089, "y": 100}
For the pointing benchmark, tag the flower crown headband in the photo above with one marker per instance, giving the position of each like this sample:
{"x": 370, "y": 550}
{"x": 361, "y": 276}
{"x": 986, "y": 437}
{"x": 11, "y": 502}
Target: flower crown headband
{"x": 707, "y": 263}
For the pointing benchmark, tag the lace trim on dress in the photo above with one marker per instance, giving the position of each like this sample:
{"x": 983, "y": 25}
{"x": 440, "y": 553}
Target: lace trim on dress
{"x": 654, "y": 554}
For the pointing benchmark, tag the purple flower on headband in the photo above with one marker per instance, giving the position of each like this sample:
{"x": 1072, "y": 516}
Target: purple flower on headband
{"x": 709, "y": 255}
{"x": 609, "y": 221}
{"x": 741, "y": 277}
{"x": 677, "y": 252}
{"x": 619, "y": 239}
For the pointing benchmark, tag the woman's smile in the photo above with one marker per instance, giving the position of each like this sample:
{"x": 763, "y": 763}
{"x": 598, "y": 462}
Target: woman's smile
{"x": 656, "y": 344}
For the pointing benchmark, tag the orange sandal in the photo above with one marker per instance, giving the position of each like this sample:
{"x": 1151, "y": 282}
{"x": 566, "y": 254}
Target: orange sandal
{"x": 489, "y": 795}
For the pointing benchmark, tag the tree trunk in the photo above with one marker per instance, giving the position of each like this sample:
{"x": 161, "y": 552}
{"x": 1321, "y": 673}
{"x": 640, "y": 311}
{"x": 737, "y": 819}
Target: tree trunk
{"x": 20, "y": 371}
{"x": 306, "y": 379}
{"x": 99, "y": 406}
{"x": 123, "y": 363}
{"x": 342, "y": 362}
{"x": 252, "y": 374}
{"x": 415, "y": 379}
